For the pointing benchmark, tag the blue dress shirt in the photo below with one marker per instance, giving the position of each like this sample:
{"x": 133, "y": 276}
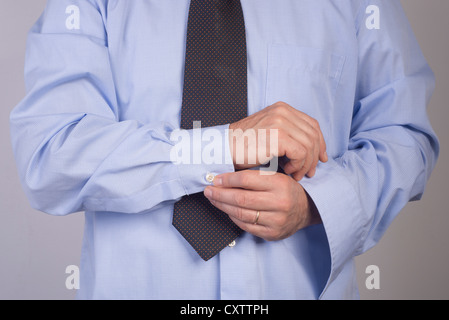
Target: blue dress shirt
{"x": 104, "y": 88}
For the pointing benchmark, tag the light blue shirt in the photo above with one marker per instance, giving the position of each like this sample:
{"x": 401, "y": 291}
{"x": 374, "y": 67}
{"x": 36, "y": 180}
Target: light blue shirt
{"x": 104, "y": 88}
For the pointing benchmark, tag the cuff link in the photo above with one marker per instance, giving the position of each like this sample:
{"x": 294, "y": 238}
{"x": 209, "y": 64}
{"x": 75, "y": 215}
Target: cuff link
{"x": 210, "y": 177}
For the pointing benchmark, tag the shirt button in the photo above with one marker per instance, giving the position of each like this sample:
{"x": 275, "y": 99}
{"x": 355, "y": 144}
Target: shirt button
{"x": 210, "y": 177}
{"x": 232, "y": 244}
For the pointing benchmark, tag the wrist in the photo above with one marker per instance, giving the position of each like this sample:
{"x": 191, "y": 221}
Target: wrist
{"x": 233, "y": 143}
{"x": 313, "y": 215}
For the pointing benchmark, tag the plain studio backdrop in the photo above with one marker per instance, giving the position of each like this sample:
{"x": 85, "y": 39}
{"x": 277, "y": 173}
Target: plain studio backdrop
{"x": 35, "y": 248}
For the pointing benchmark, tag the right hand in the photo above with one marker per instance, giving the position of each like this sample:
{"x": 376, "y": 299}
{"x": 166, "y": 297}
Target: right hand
{"x": 299, "y": 139}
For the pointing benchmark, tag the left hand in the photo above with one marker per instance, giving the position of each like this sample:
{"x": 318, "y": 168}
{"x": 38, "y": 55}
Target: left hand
{"x": 283, "y": 205}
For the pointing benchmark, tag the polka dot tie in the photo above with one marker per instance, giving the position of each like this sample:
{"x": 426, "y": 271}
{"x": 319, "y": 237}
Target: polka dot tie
{"x": 215, "y": 93}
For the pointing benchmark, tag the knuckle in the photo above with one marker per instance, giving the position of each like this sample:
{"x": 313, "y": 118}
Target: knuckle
{"x": 282, "y": 136}
{"x": 309, "y": 144}
{"x": 279, "y": 104}
{"x": 303, "y": 151}
{"x": 297, "y": 176}
{"x": 269, "y": 235}
{"x": 217, "y": 195}
{"x": 299, "y": 152}
{"x": 280, "y": 107}
{"x": 285, "y": 205}
{"x": 315, "y": 124}
{"x": 239, "y": 214}
{"x": 301, "y": 173}
{"x": 278, "y": 221}
{"x": 277, "y": 120}
{"x": 240, "y": 199}
{"x": 274, "y": 234}
{"x": 243, "y": 180}
{"x": 285, "y": 180}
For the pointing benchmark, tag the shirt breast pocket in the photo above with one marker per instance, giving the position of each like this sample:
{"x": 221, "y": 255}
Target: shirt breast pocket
{"x": 305, "y": 78}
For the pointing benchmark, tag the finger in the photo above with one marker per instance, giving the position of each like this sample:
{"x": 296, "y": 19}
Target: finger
{"x": 245, "y": 179}
{"x": 247, "y": 199}
{"x": 261, "y": 231}
{"x": 315, "y": 126}
{"x": 295, "y": 167}
{"x": 312, "y": 128}
{"x": 299, "y": 175}
{"x": 241, "y": 214}
{"x": 300, "y": 143}
{"x": 312, "y": 162}
{"x": 311, "y": 172}
{"x": 245, "y": 219}
{"x": 310, "y": 139}
{"x": 299, "y": 117}
{"x": 302, "y": 158}
{"x": 323, "y": 147}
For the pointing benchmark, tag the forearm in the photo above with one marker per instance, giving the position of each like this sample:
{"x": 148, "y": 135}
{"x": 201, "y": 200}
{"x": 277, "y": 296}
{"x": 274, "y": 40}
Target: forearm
{"x": 74, "y": 148}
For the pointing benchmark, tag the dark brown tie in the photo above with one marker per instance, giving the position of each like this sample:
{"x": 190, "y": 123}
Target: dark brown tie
{"x": 215, "y": 93}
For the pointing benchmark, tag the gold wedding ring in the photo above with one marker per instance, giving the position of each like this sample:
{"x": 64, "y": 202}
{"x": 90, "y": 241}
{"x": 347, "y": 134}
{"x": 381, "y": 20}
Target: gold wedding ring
{"x": 257, "y": 217}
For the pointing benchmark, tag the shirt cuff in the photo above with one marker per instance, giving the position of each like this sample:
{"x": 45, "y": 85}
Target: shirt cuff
{"x": 341, "y": 211}
{"x": 200, "y": 155}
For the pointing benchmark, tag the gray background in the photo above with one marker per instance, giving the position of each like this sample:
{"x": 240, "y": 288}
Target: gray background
{"x": 36, "y": 248}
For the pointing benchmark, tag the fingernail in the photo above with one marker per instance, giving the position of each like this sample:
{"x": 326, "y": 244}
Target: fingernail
{"x": 218, "y": 181}
{"x": 208, "y": 192}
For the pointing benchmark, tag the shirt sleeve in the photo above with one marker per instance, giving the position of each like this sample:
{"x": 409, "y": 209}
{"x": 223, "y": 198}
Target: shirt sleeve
{"x": 392, "y": 148}
{"x": 72, "y": 149}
